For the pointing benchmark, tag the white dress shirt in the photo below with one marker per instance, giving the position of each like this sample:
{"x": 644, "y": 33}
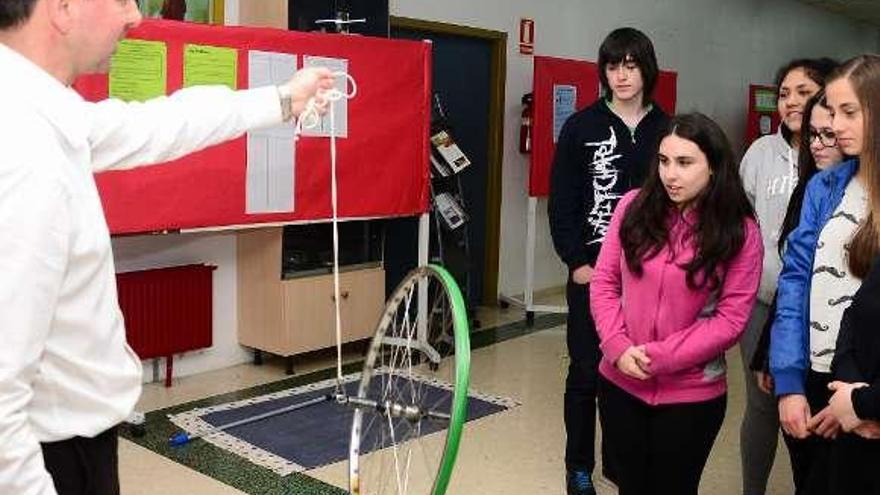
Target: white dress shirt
{"x": 65, "y": 367}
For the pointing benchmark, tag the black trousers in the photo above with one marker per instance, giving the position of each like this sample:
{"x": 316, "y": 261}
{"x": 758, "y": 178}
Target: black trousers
{"x": 811, "y": 456}
{"x": 854, "y": 466}
{"x": 84, "y": 466}
{"x": 580, "y": 385}
{"x": 657, "y": 449}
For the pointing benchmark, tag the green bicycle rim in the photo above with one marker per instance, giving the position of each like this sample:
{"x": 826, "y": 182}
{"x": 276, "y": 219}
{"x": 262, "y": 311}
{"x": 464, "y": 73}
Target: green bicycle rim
{"x": 462, "y": 379}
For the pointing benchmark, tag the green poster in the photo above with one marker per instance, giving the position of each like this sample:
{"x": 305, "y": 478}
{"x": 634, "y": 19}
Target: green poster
{"x": 210, "y": 65}
{"x": 138, "y": 70}
{"x": 765, "y": 100}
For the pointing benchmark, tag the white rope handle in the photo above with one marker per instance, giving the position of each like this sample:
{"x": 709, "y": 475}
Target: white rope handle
{"x": 311, "y": 118}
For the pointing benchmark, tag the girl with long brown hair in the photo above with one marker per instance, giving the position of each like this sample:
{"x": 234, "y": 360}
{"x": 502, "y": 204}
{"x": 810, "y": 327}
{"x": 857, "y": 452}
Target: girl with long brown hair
{"x": 855, "y": 101}
{"x": 826, "y": 258}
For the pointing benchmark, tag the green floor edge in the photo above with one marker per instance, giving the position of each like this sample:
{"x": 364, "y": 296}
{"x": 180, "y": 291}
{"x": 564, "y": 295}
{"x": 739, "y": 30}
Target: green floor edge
{"x": 249, "y": 478}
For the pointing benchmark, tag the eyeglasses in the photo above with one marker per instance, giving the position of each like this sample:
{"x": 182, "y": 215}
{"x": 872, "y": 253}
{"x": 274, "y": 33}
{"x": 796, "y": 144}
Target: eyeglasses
{"x": 827, "y": 138}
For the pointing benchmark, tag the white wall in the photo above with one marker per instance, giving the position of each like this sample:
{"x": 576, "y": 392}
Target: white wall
{"x": 717, "y": 47}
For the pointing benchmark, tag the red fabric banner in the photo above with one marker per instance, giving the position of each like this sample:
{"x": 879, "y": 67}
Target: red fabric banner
{"x": 382, "y": 164}
{"x": 550, "y": 72}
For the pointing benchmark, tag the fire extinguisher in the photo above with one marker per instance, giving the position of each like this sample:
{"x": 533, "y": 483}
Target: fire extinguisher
{"x": 525, "y": 127}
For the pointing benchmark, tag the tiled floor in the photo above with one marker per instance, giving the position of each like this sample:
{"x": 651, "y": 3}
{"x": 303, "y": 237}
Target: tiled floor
{"x": 515, "y": 452}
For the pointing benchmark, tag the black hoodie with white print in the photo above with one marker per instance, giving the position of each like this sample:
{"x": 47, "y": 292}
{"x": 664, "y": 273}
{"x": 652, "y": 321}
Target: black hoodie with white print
{"x": 598, "y": 159}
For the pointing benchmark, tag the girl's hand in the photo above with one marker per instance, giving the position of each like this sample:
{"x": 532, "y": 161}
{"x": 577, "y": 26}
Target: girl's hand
{"x": 634, "y": 363}
{"x": 868, "y": 429}
{"x": 794, "y": 413}
{"x": 765, "y": 382}
{"x": 824, "y": 424}
{"x": 841, "y": 404}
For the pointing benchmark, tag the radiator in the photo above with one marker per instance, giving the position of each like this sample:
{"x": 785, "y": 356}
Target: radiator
{"x": 167, "y": 311}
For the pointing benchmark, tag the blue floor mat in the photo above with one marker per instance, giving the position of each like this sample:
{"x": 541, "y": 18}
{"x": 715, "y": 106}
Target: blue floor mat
{"x": 316, "y": 435}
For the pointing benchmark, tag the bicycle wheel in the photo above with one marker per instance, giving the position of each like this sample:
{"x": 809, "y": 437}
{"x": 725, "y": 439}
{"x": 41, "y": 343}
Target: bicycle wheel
{"x": 412, "y": 397}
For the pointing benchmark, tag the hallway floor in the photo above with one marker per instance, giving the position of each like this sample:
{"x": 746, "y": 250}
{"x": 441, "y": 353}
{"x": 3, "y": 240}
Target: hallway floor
{"x": 517, "y": 451}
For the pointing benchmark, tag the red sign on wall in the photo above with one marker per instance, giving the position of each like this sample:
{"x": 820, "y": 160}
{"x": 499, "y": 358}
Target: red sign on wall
{"x": 763, "y": 118}
{"x": 526, "y": 36}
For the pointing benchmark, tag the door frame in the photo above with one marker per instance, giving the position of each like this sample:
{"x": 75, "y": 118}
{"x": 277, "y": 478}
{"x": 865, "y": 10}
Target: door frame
{"x": 497, "y": 78}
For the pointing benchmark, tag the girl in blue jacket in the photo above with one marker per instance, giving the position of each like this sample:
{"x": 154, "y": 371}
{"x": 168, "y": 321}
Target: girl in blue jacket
{"x": 826, "y": 258}
{"x": 856, "y": 402}
{"x": 770, "y": 169}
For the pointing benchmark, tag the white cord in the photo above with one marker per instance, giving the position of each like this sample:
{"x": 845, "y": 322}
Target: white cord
{"x": 311, "y": 118}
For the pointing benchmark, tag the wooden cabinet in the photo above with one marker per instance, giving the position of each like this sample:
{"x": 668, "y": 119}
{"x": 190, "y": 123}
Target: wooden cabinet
{"x": 288, "y": 317}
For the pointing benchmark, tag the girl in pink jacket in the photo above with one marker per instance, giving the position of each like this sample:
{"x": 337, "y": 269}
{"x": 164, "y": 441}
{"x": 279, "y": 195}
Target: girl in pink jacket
{"x": 674, "y": 285}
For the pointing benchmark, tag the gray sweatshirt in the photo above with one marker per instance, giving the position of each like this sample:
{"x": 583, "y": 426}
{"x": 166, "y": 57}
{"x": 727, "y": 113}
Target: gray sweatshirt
{"x": 769, "y": 173}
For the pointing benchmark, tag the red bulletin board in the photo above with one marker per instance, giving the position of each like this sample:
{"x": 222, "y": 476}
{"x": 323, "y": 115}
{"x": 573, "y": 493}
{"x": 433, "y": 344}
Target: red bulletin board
{"x": 382, "y": 166}
{"x": 666, "y": 91}
{"x": 763, "y": 117}
{"x": 551, "y": 71}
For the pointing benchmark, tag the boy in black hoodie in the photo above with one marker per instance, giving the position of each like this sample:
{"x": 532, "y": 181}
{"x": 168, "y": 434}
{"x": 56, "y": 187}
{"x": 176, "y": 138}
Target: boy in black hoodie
{"x": 603, "y": 151}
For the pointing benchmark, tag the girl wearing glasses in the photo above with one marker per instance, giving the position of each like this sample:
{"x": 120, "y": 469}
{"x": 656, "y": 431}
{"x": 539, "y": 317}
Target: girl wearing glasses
{"x": 770, "y": 172}
{"x": 825, "y": 260}
{"x": 818, "y": 151}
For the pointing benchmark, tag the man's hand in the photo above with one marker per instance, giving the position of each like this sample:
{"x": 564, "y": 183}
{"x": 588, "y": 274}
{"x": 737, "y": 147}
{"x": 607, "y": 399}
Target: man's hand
{"x": 307, "y": 83}
{"x": 841, "y": 404}
{"x": 765, "y": 382}
{"x": 582, "y": 275}
{"x": 634, "y": 363}
{"x": 824, "y": 424}
{"x": 794, "y": 413}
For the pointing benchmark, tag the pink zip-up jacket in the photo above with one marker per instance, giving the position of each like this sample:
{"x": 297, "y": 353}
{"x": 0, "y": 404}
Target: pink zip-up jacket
{"x": 685, "y": 331}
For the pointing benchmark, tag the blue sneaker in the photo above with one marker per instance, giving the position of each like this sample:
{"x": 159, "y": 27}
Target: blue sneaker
{"x": 580, "y": 483}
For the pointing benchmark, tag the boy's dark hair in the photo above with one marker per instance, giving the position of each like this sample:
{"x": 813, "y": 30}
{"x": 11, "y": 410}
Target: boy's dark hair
{"x": 629, "y": 44}
{"x": 15, "y": 12}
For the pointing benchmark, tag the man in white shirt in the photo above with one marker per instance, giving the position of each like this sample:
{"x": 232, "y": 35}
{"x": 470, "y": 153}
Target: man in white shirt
{"x": 67, "y": 376}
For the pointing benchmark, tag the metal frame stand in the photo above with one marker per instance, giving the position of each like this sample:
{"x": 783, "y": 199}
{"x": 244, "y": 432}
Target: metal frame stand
{"x": 528, "y": 300}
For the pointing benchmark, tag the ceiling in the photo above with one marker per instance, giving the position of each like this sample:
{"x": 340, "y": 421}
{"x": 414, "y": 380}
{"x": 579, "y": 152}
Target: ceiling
{"x": 860, "y": 10}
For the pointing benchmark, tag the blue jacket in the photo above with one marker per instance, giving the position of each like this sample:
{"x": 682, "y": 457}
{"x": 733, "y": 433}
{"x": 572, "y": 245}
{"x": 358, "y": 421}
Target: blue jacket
{"x": 790, "y": 335}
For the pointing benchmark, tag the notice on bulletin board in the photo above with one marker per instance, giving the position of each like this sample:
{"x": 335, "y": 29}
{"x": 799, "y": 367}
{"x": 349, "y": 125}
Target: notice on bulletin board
{"x": 564, "y": 104}
{"x": 138, "y": 70}
{"x": 340, "y": 108}
{"x": 271, "y": 158}
{"x": 210, "y": 65}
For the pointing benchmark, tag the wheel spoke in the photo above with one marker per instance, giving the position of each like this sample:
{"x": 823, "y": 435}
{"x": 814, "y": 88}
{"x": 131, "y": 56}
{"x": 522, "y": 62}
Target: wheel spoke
{"x": 401, "y": 379}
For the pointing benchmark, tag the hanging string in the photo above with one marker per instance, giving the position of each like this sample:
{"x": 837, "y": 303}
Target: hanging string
{"x": 310, "y": 119}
